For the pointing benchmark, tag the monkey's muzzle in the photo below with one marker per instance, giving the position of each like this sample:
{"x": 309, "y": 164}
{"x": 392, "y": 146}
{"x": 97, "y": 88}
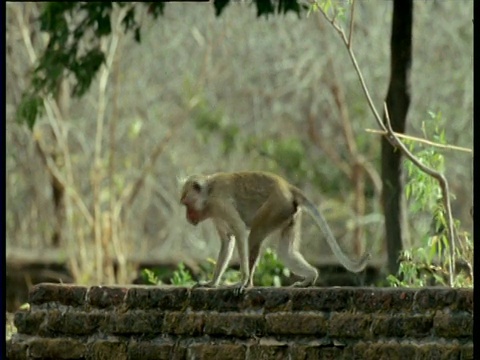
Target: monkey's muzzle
{"x": 193, "y": 216}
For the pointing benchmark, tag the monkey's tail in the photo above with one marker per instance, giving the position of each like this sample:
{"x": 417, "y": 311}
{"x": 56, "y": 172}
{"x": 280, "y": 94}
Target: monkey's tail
{"x": 353, "y": 266}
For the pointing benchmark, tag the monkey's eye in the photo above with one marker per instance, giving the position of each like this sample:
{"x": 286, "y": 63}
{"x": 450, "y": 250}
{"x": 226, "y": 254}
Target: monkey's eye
{"x": 196, "y": 186}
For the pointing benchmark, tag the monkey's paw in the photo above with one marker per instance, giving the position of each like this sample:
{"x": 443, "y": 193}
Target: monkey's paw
{"x": 304, "y": 283}
{"x": 238, "y": 288}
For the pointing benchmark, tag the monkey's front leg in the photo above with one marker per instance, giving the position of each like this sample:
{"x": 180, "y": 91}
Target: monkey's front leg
{"x": 242, "y": 245}
{"x": 231, "y": 222}
{"x": 227, "y": 243}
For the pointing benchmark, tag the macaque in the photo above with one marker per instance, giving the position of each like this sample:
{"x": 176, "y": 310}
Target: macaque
{"x": 262, "y": 203}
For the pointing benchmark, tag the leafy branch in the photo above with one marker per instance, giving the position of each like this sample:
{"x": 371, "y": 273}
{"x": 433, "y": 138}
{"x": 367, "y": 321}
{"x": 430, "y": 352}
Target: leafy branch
{"x": 388, "y": 132}
{"x": 69, "y": 24}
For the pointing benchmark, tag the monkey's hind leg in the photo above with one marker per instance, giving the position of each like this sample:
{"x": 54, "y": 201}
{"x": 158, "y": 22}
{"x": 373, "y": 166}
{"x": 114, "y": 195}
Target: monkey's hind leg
{"x": 288, "y": 251}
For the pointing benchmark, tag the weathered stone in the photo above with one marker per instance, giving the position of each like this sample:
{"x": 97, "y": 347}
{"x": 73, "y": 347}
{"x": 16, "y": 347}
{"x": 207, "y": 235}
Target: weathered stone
{"x": 221, "y": 299}
{"x": 382, "y": 299}
{"x": 438, "y": 351}
{"x": 321, "y": 299}
{"x": 390, "y": 350}
{"x": 62, "y": 348}
{"x": 346, "y": 325}
{"x": 183, "y": 323}
{"x": 77, "y": 323}
{"x": 233, "y": 324}
{"x": 298, "y": 323}
{"x": 267, "y": 299}
{"x": 16, "y": 349}
{"x": 464, "y": 300}
{"x": 134, "y": 322}
{"x": 270, "y": 352}
{"x": 466, "y": 351}
{"x": 224, "y": 351}
{"x": 434, "y": 298}
{"x": 137, "y": 322}
{"x": 405, "y": 349}
{"x": 155, "y": 297}
{"x": 28, "y": 322}
{"x": 155, "y": 350}
{"x": 302, "y": 352}
{"x": 106, "y": 296}
{"x": 402, "y": 325}
{"x": 456, "y": 325}
{"x": 108, "y": 349}
{"x": 43, "y": 293}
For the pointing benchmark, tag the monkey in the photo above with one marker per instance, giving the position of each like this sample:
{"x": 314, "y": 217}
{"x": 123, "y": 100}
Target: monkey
{"x": 261, "y": 202}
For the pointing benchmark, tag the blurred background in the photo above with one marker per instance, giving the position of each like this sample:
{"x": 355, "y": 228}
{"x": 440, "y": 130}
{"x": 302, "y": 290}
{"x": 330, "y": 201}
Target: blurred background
{"x": 93, "y": 187}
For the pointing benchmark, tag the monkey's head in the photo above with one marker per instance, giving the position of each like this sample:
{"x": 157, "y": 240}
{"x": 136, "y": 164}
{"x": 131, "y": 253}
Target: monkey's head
{"x": 194, "y": 197}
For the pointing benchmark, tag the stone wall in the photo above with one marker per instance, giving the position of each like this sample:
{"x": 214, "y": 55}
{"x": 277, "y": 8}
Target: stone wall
{"x": 143, "y": 322}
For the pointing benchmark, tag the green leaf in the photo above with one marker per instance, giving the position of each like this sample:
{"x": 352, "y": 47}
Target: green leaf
{"x": 149, "y": 277}
{"x": 156, "y": 8}
{"x": 182, "y": 276}
{"x": 264, "y": 7}
{"x": 85, "y": 68}
{"x": 220, "y": 6}
{"x": 28, "y": 110}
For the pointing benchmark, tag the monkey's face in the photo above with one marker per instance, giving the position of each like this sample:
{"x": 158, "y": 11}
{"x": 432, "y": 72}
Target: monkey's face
{"x": 194, "y": 198}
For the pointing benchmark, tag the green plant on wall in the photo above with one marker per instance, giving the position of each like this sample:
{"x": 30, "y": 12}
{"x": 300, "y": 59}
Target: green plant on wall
{"x": 427, "y": 264}
{"x": 182, "y": 276}
{"x": 269, "y": 272}
{"x": 152, "y": 276}
{"x": 230, "y": 276}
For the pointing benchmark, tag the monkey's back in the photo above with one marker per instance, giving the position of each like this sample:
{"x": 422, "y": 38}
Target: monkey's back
{"x": 251, "y": 189}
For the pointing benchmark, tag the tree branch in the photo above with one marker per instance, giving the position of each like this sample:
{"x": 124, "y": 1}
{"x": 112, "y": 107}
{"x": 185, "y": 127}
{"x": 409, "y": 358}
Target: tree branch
{"x": 423, "y": 141}
{"x": 394, "y": 141}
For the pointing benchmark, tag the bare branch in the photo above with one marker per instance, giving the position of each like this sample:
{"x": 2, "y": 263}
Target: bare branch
{"x": 131, "y": 192}
{"x": 423, "y": 141}
{"x": 54, "y": 116}
{"x": 55, "y": 172}
{"x": 350, "y": 31}
{"x": 357, "y": 70}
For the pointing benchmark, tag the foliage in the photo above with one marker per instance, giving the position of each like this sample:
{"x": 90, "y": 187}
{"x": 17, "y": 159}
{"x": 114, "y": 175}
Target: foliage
{"x": 10, "y": 328}
{"x": 209, "y": 119}
{"x": 182, "y": 276}
{"x": 421, "y": 188}
{"x": 68, "y": 25}
{"x": 428, "y": 263}
{"x": 334, "y": 9}
{"x": 269, "y": 272}
{"x": 231, "y": 276}
{"x": 266, "y": 7}
{"x": 151, "y": 276}
{"x": 29, "y": 108}
{"x": 416, "y": 270}
{"x": 75, "y": 30}
{"x": 288, "y": 154}
{"x": 273, "y": 99}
